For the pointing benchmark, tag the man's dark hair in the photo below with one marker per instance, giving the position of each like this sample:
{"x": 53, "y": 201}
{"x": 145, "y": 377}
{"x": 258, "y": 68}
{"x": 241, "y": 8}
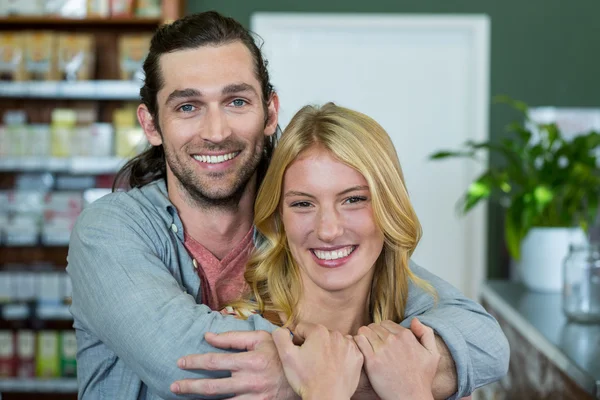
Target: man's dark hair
{"x": 193, "y": 31}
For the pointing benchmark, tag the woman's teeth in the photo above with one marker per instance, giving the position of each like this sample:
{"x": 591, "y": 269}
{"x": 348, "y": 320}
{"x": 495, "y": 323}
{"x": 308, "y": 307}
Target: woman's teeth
{"x": 335, "y": 254}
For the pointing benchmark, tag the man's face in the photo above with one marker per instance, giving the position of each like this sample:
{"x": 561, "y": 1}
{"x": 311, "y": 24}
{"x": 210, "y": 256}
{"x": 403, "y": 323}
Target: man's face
{"x": 212, "y": 121}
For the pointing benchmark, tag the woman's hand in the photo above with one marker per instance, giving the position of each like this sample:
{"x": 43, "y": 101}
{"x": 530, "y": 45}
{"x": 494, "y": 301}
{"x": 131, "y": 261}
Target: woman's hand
{"x": 399, "y": 364}
{"x": 326, "y": 366}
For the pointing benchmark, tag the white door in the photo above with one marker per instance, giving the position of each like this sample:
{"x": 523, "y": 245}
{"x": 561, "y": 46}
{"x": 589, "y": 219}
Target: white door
{"x": 425, "y": 80}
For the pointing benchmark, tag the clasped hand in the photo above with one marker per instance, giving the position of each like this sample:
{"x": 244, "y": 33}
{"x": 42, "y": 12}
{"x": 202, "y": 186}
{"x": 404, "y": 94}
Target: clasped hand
{"x": 399, "y": 363}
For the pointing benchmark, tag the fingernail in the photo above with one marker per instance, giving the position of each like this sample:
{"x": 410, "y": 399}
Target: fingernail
{"x": 181, "y": 363}
{"x": 175, "y": 388}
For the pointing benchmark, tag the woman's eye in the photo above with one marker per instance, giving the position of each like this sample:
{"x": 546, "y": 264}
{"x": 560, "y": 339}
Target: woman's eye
{"x": 355, "y": 199}
{"x": 187, "y": 108}
{"x": 238, "y": 103}
{"x": 300, "y": 204}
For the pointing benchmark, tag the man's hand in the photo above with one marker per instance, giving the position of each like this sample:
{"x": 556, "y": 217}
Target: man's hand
{"x": 256, "y": 373}
{"x": 326, "y": 366}
{"x": 399, "y": 362}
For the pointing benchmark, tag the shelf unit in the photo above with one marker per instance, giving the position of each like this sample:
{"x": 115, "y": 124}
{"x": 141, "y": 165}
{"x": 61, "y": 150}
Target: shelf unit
{"x": 78, "y": 90}
{"x": 106, "y": 93}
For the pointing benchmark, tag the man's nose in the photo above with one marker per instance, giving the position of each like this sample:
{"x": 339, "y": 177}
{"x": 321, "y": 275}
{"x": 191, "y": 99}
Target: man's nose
{"x": 216, "y": 126}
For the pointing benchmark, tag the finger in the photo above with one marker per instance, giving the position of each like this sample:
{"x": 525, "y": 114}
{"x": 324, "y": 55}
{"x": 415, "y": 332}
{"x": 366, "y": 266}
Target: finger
{"x": 381, "y": 332}
{"x": 283, "y": 342}
{"x": 239, "y": 340}
{"x": 364, "y": 346}
{"x": 210, "y": 387}
{"x": 424, "y": 334}
{"x": 216, "y": 361}
{"x": 393, "y": 327}
{"x": 371, "y": 337}
{"x": 305, "y": 329}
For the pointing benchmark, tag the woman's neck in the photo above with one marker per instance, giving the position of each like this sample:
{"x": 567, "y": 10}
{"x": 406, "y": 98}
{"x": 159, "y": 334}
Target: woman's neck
{"x": 342, "y": 312}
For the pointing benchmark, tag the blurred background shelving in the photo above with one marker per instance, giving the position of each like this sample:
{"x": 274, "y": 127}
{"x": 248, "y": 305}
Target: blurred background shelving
{"x": 70, "y": 74}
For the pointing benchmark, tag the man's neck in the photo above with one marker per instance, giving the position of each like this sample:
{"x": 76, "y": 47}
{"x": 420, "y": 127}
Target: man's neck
{"x": 218, "y": 229}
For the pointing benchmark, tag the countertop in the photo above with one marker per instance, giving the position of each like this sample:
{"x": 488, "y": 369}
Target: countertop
{"x": 573, "y": 348}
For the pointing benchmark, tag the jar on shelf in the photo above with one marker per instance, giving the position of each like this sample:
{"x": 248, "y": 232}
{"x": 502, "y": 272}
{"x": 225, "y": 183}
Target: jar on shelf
{"x": 581, "y": 283}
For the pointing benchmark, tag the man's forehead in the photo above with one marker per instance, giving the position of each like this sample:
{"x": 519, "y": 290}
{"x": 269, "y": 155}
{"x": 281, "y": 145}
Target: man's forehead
{"x": 209, "y": 65}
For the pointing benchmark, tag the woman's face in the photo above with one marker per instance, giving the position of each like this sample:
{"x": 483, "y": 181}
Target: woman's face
{"x": 328, "y": 217}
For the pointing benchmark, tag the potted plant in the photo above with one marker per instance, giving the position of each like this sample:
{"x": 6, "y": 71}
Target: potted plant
{"x": 549, "y": 187}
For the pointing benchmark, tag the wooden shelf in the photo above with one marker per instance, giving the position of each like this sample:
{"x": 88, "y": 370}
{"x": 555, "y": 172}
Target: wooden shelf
{"x": 56, "y": 255}
{"x": 58, "y": 21}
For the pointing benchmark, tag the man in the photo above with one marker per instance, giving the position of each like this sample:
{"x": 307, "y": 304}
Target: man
{"x": 148, "y": 265}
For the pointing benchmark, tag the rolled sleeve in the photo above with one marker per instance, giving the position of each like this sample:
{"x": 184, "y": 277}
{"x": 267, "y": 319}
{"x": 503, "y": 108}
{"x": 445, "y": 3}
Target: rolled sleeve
{"x": 475, "y": 340}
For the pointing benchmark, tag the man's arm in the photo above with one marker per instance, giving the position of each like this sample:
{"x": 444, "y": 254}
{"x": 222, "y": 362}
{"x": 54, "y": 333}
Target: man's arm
{"x": 124, "y": 294}
{"x": 474, "y": 347}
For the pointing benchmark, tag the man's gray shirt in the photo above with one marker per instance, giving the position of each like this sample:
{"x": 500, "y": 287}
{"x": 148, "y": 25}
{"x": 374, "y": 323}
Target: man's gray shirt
{"x": 136, "y": 305}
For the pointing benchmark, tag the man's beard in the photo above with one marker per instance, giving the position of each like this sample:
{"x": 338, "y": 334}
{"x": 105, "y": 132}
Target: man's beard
{"x": 198, "y": 194}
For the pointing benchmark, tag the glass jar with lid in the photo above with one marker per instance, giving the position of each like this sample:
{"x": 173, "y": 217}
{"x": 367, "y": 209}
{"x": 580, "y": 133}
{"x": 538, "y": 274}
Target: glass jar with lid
{"x": 581, "y": 283}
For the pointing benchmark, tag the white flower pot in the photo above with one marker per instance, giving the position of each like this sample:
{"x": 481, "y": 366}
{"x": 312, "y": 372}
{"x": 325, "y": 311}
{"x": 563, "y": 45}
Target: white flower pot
{"x": 543, "y": 252}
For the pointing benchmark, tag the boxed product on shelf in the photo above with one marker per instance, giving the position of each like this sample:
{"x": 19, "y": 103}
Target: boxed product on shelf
{"x": 98, "y": 8}
{"x": 66, "y": 8}
{"x": 121, "y": 8}
{"x": 40, "y": 56}
{"x": 24, "y": 284}
{"x": 7, "y": 354}
{"x": 132, "y": 53}
{"x": 68, "y": 354}
{"x": 94, "y": 140}
{"x": 63, "y": 124}
{"x": 129, "y": 138}
{"x": 25, "y": 357}
{"x": 39, "y": 140}
{"x": 47, "y": 361}
{"x": 76, "y": 55}
{"x": 22, "y": 8}
{"x": 12, "y": 47}
{"x": 148, "y": 8}
{"x": 61, "y": 212}
{"x": 4, "y": 142}
{"x": 15, "y": 132}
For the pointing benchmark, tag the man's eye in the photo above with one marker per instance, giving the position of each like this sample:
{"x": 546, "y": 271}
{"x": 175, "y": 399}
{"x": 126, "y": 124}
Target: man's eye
{"x": 187, "y": 108}
{"x": 238, "y": 103}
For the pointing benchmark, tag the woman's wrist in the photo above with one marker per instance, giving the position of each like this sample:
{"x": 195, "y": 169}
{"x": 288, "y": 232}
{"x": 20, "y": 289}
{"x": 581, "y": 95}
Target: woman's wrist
{"x": 324, "y": 394}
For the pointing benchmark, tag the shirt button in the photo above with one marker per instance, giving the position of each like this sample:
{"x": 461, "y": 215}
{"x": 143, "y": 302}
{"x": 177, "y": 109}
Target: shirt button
{"x": 195, "y": 264}
{"x": 174, "y": 228}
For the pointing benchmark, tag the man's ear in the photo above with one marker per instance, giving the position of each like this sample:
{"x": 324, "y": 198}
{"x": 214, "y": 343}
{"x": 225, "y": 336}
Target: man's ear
{"x": 148, "y": 125}
{"x": 272, "y": 115}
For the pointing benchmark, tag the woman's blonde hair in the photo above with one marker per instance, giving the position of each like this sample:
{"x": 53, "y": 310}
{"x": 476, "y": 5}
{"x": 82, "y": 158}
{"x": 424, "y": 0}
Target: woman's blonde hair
{"x": 361, "y": 143}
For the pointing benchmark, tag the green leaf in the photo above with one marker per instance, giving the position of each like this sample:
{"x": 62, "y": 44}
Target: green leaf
{"x": 516, "y": 104}
{"x": 512, "y": 232}
{"x": 446, "y": 154}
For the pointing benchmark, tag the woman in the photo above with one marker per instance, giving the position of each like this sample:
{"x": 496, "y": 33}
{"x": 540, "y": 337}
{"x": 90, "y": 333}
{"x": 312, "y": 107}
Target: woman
{"x": 337, "y": 232}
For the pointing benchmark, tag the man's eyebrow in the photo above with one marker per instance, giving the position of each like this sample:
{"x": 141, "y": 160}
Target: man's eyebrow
{"x": 183, "y": 94}
{"x": 237, "y": 88}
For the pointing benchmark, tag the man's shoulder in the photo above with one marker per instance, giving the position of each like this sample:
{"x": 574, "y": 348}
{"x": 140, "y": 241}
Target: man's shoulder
{"x": 138, "y": 204}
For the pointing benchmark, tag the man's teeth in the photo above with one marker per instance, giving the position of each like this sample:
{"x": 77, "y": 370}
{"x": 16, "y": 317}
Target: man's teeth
{"x": 215, "y": 159}
{"x": 335, "y": 254}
